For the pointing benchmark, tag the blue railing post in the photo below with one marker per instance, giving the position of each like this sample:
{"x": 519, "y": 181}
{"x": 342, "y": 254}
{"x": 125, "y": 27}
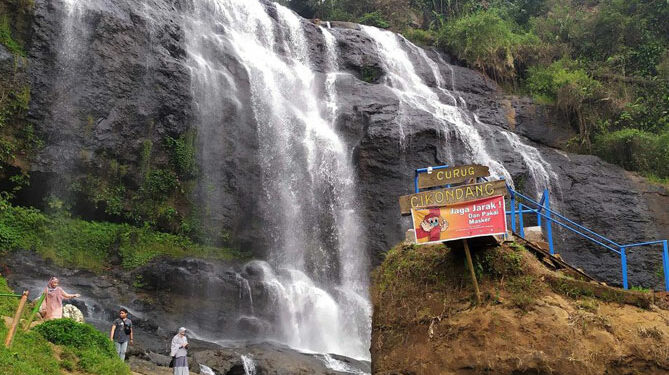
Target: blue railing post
{"x": 521, "y": 230}
{"x": 665, "y": 262}
{"x": 623, "y": 261}
{"x": 513, "y": 212}
{"x": 549, "y": 229}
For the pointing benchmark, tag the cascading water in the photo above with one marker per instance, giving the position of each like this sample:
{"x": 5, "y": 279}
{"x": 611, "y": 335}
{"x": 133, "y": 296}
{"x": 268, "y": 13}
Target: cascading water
{"x": 205, "y": 370}
{"x": 319, "y": 268}
{"x": 414, "y": 93}
{"x": 249, "y": 365}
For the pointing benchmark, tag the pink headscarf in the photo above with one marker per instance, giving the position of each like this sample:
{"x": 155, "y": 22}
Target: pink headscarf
{"x": 52, "y": 281}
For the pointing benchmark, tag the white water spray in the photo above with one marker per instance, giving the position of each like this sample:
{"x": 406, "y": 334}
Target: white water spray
{"x": 249, "y": 365}
{"x": 318, "y": 272}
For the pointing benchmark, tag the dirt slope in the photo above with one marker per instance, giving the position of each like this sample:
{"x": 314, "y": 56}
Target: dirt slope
{"x": 532, "y": 321}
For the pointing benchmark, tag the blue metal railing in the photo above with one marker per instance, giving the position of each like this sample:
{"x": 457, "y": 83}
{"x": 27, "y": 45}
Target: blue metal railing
{"x": 546, "y": 215}
{"x": 542, "y": 210}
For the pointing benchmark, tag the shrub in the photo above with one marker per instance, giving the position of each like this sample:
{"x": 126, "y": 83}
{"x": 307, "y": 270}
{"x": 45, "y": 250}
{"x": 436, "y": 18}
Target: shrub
{"x": 486, "y": 41}
{"x": 547, "y": 83}
{"x": 374, "y": 19}
{"x": 77, "y": 335}
{"x": 94, "y": 349}
{"x": 636, "y": 150}
{"x": 421, "y": 37}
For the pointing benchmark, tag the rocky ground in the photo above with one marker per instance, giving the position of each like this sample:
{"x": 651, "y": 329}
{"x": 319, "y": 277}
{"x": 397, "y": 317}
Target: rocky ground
{"x": 532, "y": 320}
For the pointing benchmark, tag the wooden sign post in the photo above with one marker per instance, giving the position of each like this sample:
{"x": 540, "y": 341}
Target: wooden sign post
{"x": 15, "y": 322}
{"x": 471, "y": 269}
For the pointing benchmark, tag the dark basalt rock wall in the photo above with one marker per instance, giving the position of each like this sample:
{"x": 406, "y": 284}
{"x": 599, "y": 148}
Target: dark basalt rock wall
{"x": 128, "y": 82}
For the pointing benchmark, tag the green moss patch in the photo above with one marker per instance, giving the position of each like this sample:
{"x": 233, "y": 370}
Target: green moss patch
{"x": 90, "y": 245}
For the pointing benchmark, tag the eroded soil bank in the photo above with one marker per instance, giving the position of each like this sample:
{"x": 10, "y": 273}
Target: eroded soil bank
{"x": 532, "y": 320}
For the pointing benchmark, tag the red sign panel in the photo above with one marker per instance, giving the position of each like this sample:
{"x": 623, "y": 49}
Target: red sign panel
{"x": 483, "y": 217}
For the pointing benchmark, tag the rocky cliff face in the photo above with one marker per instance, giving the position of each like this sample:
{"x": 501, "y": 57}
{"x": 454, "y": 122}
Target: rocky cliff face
{"x": 111, "y": 85}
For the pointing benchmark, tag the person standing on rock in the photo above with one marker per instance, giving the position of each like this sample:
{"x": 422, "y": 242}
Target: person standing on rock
{"x": 179, "y": 352}
{"x": 53, "y": 303}
{"x": 121, "y": 331}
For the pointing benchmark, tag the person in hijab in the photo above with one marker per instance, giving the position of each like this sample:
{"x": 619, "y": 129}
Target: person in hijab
{"x": 179, "y": 352}
{"x": 53, "y": 303}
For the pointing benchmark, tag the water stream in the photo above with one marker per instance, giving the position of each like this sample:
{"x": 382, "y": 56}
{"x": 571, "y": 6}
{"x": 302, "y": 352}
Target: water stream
{"x": 317, "y": 265}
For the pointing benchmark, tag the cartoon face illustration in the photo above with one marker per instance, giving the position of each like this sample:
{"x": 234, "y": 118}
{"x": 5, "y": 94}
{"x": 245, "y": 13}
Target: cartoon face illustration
{"x": 431, "y": 226}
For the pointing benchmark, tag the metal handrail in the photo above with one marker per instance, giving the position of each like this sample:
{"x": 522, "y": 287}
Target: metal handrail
{"x": 565, "y": 219}
{"x": 621, "y": 249}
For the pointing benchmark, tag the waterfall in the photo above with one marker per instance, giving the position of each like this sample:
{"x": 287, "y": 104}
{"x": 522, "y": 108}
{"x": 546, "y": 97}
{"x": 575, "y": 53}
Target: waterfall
{"x": 339, "y": 366}
{"x": 249, "y": 365}
{"x": 415, "y": 94}
{"x": 205, "y": 370}
{"x": 317, "y": 265}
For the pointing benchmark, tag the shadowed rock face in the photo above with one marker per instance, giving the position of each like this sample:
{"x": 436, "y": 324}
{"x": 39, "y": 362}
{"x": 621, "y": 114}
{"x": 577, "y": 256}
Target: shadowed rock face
{"x": 125, "y": 80}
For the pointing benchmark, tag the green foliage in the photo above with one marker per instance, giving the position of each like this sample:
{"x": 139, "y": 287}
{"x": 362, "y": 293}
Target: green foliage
{"x": 139, "y": 245}
{"x": 374, "y": 19}
{"x": 29, "y": 355}
{"x": 420, "y": 36}
{"x": 8, "y": 305}
{"x": 145, "y": 157}
{"x": 548, "y": 83}
{"x": 500, "y": 262}
{"x": 370, "y": 74}
{"x": 160, "y": 183}
{"x": 524, "y": 291}
{"x": 486, "y": 41}
{"x": 182, "y": 154}
{"x": 94, "y": 349}
{"x": 88, "y": 245}
{"x": 77, "y": 335}
{"x": 636, "y": 150}
{"x": 7, "y": 40}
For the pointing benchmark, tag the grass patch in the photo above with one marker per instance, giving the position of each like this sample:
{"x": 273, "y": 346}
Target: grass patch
{"x": 89, "y": 245}
{"x": 421, "y": 265}
{"x": 86, "y": 348}
{"x": 8, "y": 305}
{"x": 524, "y": 291}
{"x": 30, "y": 354}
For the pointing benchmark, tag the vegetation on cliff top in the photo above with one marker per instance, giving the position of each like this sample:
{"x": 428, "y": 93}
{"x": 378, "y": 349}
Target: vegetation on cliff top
{"x": 603, "y": 64}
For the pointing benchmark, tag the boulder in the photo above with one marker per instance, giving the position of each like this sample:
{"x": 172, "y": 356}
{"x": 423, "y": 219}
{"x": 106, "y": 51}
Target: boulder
{"x": 72, "y": 312}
